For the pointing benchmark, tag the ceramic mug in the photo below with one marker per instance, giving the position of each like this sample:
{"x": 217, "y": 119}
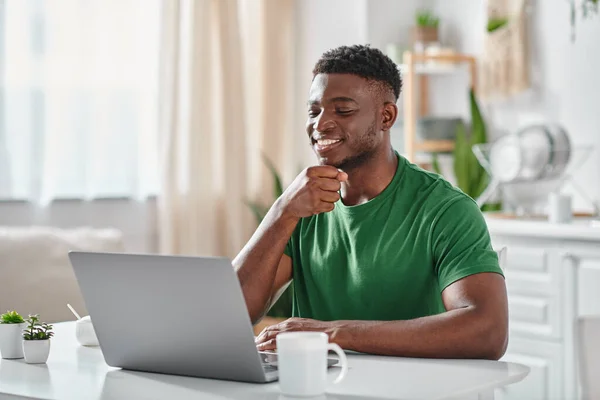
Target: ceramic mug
{"x": 302, "y": 363}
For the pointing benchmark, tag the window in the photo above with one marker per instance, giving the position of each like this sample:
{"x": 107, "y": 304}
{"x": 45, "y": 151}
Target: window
{"x": 78, "y": 98}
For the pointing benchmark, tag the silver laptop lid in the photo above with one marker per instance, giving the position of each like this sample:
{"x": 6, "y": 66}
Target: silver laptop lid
{"x": 169, "y": 314}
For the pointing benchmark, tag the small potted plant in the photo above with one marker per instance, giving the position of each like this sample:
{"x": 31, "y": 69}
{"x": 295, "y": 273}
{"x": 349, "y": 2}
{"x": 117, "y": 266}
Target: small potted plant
{"x": 426, "y": 29}
{"x": 36, "y": 340}
{"x": 11, "y": 327}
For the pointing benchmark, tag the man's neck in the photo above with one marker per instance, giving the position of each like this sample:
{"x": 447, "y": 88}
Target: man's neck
{"x": 371, "y": 178}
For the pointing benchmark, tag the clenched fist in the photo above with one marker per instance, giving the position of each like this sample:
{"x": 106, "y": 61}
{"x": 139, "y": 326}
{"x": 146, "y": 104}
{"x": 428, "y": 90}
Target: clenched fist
{"x": 314, "y": 191}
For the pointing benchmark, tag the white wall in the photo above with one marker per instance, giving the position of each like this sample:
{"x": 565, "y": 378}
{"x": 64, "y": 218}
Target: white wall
{"x": 324, "y": 24}
{"x": 390, "y": 21}
{"x": 320, "y": 26}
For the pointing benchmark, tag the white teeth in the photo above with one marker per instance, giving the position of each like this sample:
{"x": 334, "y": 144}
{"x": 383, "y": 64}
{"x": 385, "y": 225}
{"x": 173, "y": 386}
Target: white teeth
{"x": 327, "y": 142}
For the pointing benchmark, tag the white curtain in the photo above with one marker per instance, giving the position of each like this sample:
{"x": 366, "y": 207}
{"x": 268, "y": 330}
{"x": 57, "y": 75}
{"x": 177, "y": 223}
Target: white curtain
{"x": 226, "y": 97}
{"x": 79, "y": 99}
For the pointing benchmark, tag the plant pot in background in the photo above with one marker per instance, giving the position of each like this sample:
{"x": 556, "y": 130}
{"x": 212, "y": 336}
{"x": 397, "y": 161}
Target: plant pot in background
{"x": 10, "y": 340}
{"x": 36, "y": 351}
{"x": 424, "y": 35}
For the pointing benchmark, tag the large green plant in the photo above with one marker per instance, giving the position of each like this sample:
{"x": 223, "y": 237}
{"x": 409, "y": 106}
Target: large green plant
{"x": 471, "y": 177}
{"x": 283, "y": 307}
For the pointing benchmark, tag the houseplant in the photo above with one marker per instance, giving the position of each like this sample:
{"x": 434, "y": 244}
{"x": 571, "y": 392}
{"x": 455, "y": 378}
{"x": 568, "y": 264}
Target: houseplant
{"x": 283, "y": 306}
{"x": 471, "y": 177}
{"x": 11, "y": 327}
{"x": 36, "y": 340}
{"x": 426, "y": 27}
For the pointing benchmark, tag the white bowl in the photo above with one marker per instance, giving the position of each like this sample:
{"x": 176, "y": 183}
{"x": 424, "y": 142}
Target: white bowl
{"x": 85, "y": 333}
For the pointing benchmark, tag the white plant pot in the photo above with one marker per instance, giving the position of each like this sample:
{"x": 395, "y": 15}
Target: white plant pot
{"x": 36, "y": 351}
{"x": 11, "y": 336}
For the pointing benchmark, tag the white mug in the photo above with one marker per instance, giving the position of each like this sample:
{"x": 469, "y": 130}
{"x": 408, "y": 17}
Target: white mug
{"x": 302, "y": 363}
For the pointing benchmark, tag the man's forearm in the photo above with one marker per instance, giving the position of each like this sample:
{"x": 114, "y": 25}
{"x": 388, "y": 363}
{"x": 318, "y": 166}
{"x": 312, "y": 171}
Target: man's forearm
{"x": 257, "y": 263}
{"x": 460, "y": 333}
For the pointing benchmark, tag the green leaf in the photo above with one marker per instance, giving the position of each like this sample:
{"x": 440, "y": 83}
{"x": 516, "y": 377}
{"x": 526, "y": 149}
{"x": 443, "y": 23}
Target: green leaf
{"x": 461, "y": 166}
{"x": 11, "y": 317}
{"x": 479, "y": 131}
{"x": 480, "y": 185}
{"x": 435, "y": 164}
{"x": 426, "y": 18}
{"x": 496, "y": 23}
{"x": 491, "y": 207}
{"x": 277, "y": 186}
{"x": 478, "y": 175}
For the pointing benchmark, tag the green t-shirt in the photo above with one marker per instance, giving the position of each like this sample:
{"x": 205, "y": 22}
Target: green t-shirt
{"x": 389, "y": 258}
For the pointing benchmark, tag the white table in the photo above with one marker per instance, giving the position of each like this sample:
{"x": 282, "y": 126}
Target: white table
{"x": 77, "y": 372}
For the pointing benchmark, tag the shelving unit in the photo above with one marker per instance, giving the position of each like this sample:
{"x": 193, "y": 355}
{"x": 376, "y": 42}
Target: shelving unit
{"x": 416, "y": 69}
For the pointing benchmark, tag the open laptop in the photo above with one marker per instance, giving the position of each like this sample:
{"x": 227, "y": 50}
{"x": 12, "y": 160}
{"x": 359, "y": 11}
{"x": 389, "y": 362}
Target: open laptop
{"x": 172, "y": 314}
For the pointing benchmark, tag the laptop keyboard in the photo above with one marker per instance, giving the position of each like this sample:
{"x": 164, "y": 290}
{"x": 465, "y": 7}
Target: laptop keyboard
{"x": 269, "y": 367}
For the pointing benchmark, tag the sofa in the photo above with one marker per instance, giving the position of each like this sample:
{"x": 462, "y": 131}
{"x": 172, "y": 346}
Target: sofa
{"x": 36, "y": 276}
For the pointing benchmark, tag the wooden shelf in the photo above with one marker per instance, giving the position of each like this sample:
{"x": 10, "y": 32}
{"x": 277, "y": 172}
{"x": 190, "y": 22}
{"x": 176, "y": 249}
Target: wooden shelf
{"x": 416, "y": 68}
{"x": 434, "y": 146}
{"x": 432, "y": 69}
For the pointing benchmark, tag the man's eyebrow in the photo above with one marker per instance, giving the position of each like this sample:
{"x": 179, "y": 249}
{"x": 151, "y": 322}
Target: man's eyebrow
{"x": 333, "y": 100}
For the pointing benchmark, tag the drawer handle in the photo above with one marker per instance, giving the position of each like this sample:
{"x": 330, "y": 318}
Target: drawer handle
{"x": 567, "y": 255}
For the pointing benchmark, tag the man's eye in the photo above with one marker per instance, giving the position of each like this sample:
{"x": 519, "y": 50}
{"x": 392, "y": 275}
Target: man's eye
{"x": 313, "y": 113}
{"x": 343, "y": 111}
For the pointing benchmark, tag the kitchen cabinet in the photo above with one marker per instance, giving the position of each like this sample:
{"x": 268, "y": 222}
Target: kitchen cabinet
{"x": 552, "y": 277}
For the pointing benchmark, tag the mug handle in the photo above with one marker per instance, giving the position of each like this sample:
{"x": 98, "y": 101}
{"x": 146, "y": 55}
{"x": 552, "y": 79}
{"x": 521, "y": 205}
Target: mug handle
{"x": 343, "y": 360}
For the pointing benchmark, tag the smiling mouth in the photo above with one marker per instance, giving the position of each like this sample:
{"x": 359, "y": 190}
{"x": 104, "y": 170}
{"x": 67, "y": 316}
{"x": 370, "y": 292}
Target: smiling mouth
{"x": 323, "y": 145}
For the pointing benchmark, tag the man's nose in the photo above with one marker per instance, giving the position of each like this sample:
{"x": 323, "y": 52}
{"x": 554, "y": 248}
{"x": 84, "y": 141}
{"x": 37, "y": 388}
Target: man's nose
{"x": 323, "y": 123}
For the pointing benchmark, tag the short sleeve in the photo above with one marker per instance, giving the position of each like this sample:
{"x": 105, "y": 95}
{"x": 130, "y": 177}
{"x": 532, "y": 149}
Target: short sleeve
{"x": 461, "y": 244}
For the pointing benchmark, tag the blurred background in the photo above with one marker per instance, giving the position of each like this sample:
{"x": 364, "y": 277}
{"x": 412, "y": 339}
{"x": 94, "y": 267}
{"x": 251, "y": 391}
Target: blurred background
{"x": 161, "y": 118}
{"x": 170, "y": 126}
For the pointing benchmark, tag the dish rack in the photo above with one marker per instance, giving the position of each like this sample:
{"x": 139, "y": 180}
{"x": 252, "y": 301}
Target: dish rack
{"x": 526, "y": 190}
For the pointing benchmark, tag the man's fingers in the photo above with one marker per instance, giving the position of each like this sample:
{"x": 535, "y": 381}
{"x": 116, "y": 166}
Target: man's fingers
{"x": 329, "y": 197}
{"x": 322, "y": 171}
{"x": 329, "y": 184}
{"x": 342, "y": 176}
{"x": 267, "y": 334}
{"x": 268, "y": 345}
{"x": 325, "y": 207}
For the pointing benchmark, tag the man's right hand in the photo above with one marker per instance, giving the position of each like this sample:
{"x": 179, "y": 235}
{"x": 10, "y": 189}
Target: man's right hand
{"x": 314, "y": 191}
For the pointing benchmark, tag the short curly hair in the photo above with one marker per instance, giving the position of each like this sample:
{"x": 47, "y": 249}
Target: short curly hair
{"x": 364, "y": 61}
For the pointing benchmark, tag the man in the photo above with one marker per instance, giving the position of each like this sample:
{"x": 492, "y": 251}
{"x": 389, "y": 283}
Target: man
{"x": 385, "y": 257}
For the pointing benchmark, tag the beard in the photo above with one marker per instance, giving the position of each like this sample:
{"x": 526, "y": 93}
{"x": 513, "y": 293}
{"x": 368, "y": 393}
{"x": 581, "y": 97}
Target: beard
{"x": 365, "y": 150}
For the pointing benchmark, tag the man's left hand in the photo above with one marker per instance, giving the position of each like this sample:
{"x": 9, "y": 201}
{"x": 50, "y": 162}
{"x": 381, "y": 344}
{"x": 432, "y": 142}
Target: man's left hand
{"x": 266, "y": 340}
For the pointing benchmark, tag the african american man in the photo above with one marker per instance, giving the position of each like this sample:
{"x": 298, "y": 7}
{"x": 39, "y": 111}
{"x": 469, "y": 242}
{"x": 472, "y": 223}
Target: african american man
{"x": 384, "y": 257}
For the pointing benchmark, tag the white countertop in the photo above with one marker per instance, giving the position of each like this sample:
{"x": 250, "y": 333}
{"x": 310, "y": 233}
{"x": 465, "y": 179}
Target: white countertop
{"x": 76, "y": 372}
{"x": 578, "y": 229}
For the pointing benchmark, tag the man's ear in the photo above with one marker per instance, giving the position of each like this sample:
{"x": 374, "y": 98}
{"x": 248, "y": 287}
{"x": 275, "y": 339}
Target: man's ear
{"x": 389, "y": 113}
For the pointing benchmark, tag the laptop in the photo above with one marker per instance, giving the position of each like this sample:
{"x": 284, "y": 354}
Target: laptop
{"x": 173, "y": 315}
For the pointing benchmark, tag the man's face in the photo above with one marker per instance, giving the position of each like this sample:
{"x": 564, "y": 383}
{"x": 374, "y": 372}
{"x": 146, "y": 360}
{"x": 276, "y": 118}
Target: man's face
{"x": 343, "y": 119}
